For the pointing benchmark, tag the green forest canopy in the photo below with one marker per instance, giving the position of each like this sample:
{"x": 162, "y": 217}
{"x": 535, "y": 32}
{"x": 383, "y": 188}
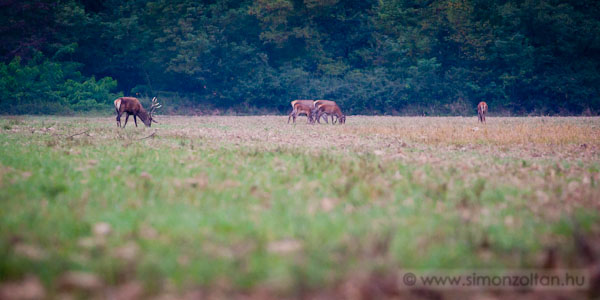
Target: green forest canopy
{"x": 379, "y": 57}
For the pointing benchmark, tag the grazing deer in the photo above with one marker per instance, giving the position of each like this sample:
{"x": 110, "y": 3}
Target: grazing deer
{"x": 331, "y": 109}
{"x": 132, "y": 106}
{"x": 319, "y": 103}
{"x": 302, "y": 107}
{"x": 482, "y": 111}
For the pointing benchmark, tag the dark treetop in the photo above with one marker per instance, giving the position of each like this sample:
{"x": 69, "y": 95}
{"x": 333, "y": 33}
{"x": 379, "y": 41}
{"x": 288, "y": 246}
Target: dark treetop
{"x": 371, "y": 56}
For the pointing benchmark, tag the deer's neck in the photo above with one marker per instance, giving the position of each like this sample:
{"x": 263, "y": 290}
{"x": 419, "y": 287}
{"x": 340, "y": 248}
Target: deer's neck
{"x": 143, "y": 115}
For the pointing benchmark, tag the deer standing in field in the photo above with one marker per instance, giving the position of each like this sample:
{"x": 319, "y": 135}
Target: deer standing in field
{"x": 319, "y": 103}
{"x": 302, "y": 107}
{"x": 132, "y": 106}
{"x": 482, "y": 109}
{"x": 331, "y": 109}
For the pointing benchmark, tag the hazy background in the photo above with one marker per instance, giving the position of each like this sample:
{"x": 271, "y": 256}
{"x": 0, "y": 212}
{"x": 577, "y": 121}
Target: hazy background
{"x": 373, "y": 57}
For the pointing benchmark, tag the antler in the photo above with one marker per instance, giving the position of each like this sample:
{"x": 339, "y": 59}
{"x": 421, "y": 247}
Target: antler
{"x": 154, "y": 105}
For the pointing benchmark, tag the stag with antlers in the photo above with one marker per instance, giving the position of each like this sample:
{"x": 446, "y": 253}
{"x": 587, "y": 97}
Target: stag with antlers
{"x": 132, "y": 106}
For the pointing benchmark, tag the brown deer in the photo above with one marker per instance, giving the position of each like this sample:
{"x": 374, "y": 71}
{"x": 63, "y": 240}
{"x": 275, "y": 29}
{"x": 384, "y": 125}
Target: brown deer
{"x": 302, "y": 107}
{"x": 331, "y": 109}
{"x": 482, "y": 109}
{"x": 319, "y": 103}
{"x": 132, "y": 106}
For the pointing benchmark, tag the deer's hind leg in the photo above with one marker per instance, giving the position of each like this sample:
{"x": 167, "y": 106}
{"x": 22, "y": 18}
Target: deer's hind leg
{"x": 126, "y": 118}
{"x": 118, "y": 119}
{"x": 322, "y": 115}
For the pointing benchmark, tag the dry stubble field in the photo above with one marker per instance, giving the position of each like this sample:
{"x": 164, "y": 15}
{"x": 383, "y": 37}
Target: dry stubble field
{"x": 251, "y": 207}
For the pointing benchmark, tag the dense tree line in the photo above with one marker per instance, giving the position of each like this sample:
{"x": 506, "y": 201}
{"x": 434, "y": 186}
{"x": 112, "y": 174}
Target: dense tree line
{"x": 372, "y": 56}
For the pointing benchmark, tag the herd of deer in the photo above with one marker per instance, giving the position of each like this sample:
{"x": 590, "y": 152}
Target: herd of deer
{"x": 317, "y": 109}
{"x": 314, "y": 110}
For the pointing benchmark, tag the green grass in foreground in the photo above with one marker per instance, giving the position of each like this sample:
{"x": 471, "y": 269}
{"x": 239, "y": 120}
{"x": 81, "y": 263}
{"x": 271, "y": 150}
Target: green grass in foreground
{"x": 242, "y": 202}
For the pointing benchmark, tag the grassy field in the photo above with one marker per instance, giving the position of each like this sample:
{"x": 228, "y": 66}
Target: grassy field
{"x": 251, "y": 207}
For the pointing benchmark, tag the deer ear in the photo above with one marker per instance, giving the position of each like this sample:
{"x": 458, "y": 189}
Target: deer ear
{"x": 154, "y": 121}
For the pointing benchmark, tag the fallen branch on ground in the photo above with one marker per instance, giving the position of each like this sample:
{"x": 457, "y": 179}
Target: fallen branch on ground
{"x": 148, "y": 136}
{"x": 70, "y": 136}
